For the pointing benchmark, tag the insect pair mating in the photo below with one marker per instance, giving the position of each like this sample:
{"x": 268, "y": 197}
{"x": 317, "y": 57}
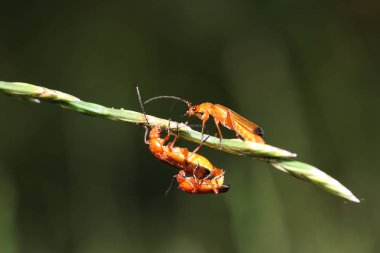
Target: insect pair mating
{"x": 204, "y": 176}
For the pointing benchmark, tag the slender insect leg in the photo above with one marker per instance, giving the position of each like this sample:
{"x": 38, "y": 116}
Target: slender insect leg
{"x": 195, "y": 170}
{"x": 200, "y": 181}
{"x": 215, "y": 189}
{"x": 171, "y": 144}
{"x": 215, "y": 182}
{"x": 219, "y": 176}
{"x": 176, "y": 137}
{"x": 219, "y": 132}
{"x": 194, "y": 187}
{"x": 200, "y": 144}
{"x": 203, "y": 128}
{"x": 195, "y": 174}
{"x": 212, "y": 173}
{"x": 196, "y": 150}
{"x": 146, "y": 135}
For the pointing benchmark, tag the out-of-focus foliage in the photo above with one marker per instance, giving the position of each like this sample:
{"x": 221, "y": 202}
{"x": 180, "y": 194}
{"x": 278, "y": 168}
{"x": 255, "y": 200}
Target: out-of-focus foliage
{"x": 307, "y": 72}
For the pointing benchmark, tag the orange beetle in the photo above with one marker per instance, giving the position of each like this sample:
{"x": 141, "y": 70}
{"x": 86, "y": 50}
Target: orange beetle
{"x": 181, "y": 158}
{"x": 195, "y": 186}
{"x": 244, "y": 128}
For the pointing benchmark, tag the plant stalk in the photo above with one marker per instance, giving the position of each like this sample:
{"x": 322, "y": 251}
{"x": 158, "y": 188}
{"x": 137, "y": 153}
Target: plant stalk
{"x": 278, "y": 158}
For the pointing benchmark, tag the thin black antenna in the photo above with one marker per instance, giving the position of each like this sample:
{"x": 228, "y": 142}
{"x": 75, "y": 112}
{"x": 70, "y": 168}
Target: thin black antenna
{"x": 141, "y": 103}
{"x": 171, "y": 97}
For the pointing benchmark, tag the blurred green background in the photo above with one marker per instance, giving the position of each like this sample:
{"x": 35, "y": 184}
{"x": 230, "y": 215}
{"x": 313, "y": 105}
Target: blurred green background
{"x": 306, "y": 71}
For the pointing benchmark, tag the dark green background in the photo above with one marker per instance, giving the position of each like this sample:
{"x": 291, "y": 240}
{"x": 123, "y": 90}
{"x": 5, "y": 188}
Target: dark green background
{"x": 306, "y": 71}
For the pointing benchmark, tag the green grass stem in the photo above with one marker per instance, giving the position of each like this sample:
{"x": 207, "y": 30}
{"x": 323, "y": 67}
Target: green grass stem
{"x": 280, "y": 159}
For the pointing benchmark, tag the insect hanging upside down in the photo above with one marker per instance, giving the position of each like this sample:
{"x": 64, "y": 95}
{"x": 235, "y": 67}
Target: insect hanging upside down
{"x": 205, "y": 177}
{"x": 195, "y": 186}
{"x": 243, "y": 128}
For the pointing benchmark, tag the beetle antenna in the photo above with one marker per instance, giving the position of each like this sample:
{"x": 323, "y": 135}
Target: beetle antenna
{"x": 141, "y": 103}
{"x": 171, "y": 97}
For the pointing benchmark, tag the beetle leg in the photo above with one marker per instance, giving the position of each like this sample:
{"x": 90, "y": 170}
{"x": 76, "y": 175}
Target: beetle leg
{"x": 208, "y": 176}
{"x": 195, "y": 170}
{"x": 204, "y": 118}
{"x": 175, "y": 138}
{"x": 203, "y": 127}
{"x": 171, "y": 144}
{"x": 200, "y": 144}
{"x": 219, "y": 132}
{"x": 146, "y": 135}
{"x": 215, "y": 182}
{"x": 219, "y": 176}
{"x": 168, "y": 131}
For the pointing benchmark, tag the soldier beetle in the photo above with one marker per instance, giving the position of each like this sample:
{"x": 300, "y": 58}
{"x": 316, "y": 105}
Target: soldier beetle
{"x": 181, "y": 158}
{"x": 243, "y": 128}
{"x": 206, "y": 178}
{"x": 188, "y": 162}
{"x": 195, "y": 186}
